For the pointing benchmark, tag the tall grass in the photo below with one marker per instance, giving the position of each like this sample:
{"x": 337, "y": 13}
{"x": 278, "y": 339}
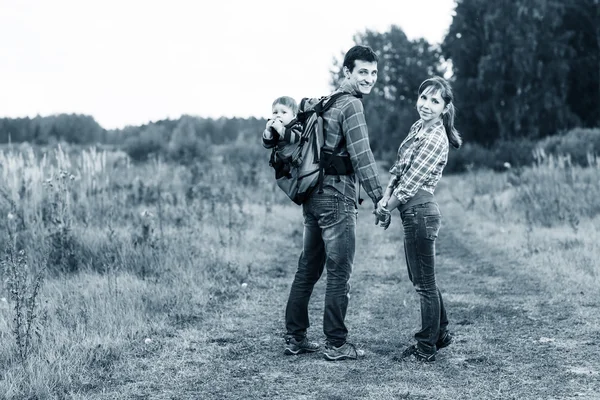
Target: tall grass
{"x": 104, "y": 254}
{"x": 552, "y": 192}
{"x": 548, "y": 212}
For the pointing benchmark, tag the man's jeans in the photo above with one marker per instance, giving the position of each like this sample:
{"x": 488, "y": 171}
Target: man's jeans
{"x": 329, "y": 241}
{"x": 421, "y": 226}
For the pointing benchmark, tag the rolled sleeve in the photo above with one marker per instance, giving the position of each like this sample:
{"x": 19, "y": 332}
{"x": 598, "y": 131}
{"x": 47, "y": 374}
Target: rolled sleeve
{"x": 292, "y": 133}
{"x": 269, "y": 142}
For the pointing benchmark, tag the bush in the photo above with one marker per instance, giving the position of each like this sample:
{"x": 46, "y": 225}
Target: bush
{"x": 470, "y": 155}
{"x": 518, "y": 153}
{"x": 578, "y": 143}
{"x": 187, "y": 146}
{"x": 151, "y": 141}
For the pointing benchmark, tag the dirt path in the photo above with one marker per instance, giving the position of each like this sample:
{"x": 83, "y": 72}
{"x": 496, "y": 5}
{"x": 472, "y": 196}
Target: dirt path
{"x": 513, "y": 339}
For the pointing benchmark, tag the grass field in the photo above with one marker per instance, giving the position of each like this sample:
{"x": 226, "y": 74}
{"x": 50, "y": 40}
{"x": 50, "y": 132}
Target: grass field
{"x": 161, "y": 282}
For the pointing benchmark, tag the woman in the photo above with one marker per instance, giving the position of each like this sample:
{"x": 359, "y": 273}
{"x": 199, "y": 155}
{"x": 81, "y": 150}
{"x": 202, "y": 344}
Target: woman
{"x": 422, "y": 157}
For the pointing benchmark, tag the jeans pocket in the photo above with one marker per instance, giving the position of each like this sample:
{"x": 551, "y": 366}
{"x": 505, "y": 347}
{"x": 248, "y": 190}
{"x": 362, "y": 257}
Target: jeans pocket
{"x": 432, "y": 226}
{"x": 329, "y": 213}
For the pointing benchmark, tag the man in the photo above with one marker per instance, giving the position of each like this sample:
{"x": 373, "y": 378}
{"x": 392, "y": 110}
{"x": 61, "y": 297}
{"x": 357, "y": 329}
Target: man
{"x": 330, "y": 215}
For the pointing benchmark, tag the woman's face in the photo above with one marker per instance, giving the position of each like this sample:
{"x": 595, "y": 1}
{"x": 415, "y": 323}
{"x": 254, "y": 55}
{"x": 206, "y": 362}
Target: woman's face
{"x": 430, "y": 104}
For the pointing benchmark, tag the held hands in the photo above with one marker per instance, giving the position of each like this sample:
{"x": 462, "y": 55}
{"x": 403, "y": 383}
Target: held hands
{"x": 382, "y": 214}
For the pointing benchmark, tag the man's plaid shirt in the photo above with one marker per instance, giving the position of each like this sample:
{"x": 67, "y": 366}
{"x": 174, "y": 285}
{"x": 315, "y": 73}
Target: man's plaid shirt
{"x": 422, "y": 157}
{"x": 346, "y": 134}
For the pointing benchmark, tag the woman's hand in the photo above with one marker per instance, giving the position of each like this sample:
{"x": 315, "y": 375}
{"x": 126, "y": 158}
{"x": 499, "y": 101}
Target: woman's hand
{"x": 384, "y": 201}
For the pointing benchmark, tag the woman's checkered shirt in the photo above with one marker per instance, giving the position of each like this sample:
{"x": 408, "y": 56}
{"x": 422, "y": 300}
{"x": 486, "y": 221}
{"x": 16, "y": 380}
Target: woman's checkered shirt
{"x": 421, "y": 159}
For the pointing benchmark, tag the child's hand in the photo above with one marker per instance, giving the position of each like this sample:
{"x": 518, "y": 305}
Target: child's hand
{"x": 278, "y": 126}
{"x": 269, "y": 123}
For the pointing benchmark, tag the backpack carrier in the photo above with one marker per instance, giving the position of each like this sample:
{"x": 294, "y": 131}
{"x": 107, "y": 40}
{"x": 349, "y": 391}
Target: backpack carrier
{"x": 300, "y": 167}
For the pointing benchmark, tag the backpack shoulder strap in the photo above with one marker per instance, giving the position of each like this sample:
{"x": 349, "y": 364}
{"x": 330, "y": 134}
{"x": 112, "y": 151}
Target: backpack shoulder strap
{"x": 303, "y": 104}
{"x": 326, "y": 102}
{"x": 323, "y": 105}
{"x": 307, "y": 104}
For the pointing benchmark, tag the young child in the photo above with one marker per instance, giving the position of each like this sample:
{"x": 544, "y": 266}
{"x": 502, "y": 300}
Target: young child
{"x": 283, "y": 130}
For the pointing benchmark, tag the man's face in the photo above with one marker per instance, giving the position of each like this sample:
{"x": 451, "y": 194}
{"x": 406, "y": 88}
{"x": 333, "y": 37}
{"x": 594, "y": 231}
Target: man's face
{"x": 363, "y": 76}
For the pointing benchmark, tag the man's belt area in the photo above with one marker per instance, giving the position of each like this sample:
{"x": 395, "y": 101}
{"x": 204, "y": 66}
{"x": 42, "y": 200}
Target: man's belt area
{"x": 336, "y": 165}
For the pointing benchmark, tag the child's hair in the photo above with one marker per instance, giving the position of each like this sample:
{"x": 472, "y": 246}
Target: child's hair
{"x": 439, "y": 83}
{"x": 288, "y": 102}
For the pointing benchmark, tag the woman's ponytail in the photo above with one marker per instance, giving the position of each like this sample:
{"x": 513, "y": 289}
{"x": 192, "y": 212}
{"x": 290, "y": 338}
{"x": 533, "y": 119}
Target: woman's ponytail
{"x": 448, "y": 120}
{"x": 439, "y": 83}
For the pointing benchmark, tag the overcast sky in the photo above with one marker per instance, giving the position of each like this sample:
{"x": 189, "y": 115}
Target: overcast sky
{"x": 128, "y": 62}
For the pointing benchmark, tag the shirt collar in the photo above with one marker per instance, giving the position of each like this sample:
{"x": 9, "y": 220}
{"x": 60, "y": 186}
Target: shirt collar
{"x": 436, "y": 125}
{"x": 346, "y": 87}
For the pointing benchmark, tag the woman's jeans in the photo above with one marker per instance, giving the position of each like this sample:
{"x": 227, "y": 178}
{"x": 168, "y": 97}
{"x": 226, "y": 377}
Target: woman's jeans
{"x": 421, "y": 226}
{"x": 329, "y": 242}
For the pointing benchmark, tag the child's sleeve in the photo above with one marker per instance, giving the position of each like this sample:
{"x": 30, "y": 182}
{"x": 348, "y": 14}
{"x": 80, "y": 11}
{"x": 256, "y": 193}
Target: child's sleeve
{"x": 269, "y": 140}
{"x": 292, "y": 133}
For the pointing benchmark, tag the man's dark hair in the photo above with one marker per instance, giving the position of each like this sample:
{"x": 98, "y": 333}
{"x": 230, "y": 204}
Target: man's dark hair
{"x": 358, "y": 52}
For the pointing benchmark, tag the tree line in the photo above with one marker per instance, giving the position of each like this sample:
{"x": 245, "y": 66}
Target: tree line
{"x": 521, "y": 69}
{"x": 180, "y": 139}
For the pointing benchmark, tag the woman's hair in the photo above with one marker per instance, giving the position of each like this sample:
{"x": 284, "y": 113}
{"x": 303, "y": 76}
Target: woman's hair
{"x": 288, "y": 102}
{"x": 440, "y": 84}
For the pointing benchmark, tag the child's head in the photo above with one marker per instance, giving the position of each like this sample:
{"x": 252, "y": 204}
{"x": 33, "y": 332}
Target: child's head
{"x": 285, "y": 109}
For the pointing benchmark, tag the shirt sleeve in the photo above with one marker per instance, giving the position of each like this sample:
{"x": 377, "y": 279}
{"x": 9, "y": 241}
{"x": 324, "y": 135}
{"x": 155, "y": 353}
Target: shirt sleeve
{"x": 292, "y": 133}
{"x": 427, "y": 156}
{"x": 271, "y": 142}
{"x": 356, "y": 134}
{"x": 396, "y": 169}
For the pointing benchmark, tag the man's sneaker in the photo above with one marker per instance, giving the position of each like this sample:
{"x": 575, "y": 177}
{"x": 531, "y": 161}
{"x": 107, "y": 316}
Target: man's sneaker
{"x": 347, "y": 351}
{"x": 445, "y": 341}
{"x": 413, "y": 351}
{"x": 294, "y": 347}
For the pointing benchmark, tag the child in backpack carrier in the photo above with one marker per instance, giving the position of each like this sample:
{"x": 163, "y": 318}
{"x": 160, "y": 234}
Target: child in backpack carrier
{"x": 283, "y": 130}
